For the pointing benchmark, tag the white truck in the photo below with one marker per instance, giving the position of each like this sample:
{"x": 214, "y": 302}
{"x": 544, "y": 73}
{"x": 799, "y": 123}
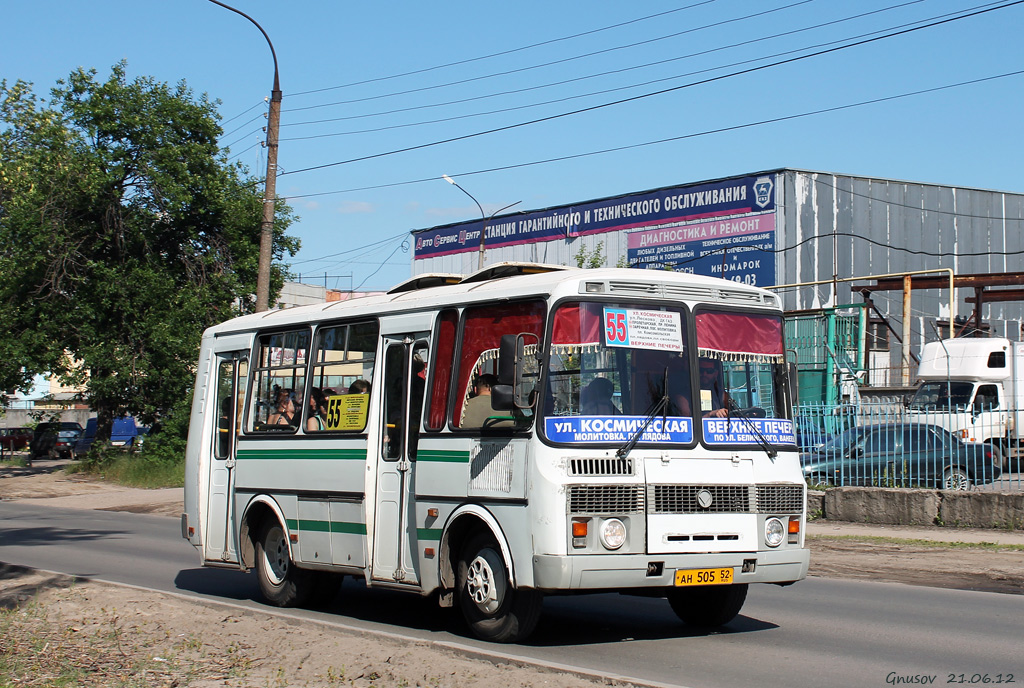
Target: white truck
{"x": 974, "y": 388}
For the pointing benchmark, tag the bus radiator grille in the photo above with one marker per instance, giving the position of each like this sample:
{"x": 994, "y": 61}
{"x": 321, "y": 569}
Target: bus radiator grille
{"x": 732, "y": 499}
{"x": 606, "y": 499}
{"x": 684, "y": 499}
{"x": 780, "y": 499}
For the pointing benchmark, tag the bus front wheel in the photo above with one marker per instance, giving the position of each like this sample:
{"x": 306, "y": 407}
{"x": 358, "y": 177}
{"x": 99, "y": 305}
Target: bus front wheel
{"x": 494, "y": 610}
{"x": 281, "y": 582}
{"x": 708, "y": 606}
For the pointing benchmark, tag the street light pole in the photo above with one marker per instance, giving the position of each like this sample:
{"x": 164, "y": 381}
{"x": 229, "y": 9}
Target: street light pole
{"x": 483, "y": 230}
{"x": 270, "y": 185}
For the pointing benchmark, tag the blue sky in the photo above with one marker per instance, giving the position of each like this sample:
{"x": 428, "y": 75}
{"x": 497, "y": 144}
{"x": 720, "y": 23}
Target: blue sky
{"x": 964, "y": 136}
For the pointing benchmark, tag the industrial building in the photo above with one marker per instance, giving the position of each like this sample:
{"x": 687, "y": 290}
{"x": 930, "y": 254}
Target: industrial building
{"x": 865, "y": 266}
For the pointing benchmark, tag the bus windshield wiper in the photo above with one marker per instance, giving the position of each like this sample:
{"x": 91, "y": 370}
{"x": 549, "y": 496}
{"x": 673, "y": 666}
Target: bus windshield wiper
{"x": 761, "y": 439}
{"x": 660, "y": 407}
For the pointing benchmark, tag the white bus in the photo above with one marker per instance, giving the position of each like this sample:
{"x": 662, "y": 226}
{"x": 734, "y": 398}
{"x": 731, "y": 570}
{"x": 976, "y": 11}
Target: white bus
{"x": 358, "y": 438}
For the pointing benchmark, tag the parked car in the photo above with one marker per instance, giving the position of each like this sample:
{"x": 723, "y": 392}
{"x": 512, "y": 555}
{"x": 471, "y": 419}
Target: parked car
{"x": 63, "y": 447}
{"x": 13, "y": 439}
{"x": 45, "y": 437}
{"x": 124, "y": 433}
{"x": 901, "y": 455}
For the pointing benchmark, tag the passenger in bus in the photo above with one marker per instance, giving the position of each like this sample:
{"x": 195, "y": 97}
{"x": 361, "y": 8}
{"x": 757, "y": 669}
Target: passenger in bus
{"x": 712, "y": 389}
{"x": 478, "y": 408}
{"x": 359, "y": 387}
{"x": 596, "y": 398}
{"x": 317, "y": 411}
{"x": 296, "y": 419}
{"x": 284, "y": 409}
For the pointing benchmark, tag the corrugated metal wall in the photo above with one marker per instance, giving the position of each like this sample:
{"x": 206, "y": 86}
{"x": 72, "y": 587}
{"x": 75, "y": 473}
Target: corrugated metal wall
{"x": 854, "y": 226}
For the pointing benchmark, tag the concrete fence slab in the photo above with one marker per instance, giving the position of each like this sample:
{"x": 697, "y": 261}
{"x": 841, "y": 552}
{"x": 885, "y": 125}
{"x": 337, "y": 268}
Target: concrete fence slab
{"x": 882, "y": 505}
{"x": 982, "y": 510}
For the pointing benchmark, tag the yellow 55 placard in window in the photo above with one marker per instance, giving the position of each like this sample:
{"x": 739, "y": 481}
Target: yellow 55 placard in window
{"x": 347, "y": 411}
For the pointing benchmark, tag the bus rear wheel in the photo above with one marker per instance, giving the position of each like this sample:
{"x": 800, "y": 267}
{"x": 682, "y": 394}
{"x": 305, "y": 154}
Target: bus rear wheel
{"x": 494, "y": 610}
{"x": 281, "y": 582}
{"x": 708, "y": 606}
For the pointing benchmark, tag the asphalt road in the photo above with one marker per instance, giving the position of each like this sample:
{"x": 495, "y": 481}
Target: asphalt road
{"x": 817, "y": 633}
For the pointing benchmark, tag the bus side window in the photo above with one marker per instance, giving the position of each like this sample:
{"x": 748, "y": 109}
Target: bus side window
{"x": 279, "y": 375}
{"x": 342, "y": 368}
{"x": 443, "y": 368}
{"x": 482, "y": 329}
{"x": 225, "y": 407}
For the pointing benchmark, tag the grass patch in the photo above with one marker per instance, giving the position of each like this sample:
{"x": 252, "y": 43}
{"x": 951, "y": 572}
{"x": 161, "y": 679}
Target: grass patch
{"x": 138, "y": 472}
{"x": 934, "y": 544}
{"x": 133, "y": 470}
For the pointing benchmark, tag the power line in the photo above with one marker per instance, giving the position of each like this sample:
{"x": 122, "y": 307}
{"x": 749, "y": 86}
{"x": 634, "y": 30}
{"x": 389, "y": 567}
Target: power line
{"x": 231, "y": 119}
{"x": 654, "y": 93}
{"x": 244, "y": 137}
{"x": 666, "y": 140}
{"x": 248, "y": 148}
{"x": 553, "y": 62}
{"x": 405, "y": 248}
{"x": 602, "y": 92}
{"x": 351, "y": 250}
{"x": 641, "y": 66}
{"x": 242, "y": 125}
{"x": 504, "y": 52}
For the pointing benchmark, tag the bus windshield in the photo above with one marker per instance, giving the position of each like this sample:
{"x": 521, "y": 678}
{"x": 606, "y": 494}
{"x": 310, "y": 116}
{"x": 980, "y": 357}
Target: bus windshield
{"x": 612, "y": 365}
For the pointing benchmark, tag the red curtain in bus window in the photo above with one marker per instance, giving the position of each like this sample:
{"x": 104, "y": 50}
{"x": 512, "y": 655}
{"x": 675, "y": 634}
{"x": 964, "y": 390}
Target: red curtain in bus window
{"x": 444, "y": 350}
{"x": 740, "y": 337}
{"x": 577, "y": 323}
{"x": 482, "y": 331}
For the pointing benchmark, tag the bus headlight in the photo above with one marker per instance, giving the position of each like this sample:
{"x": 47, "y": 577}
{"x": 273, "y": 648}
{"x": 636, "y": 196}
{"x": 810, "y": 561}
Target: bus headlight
{"x": 613, "y": 533}
{"x": 774, "y": 532}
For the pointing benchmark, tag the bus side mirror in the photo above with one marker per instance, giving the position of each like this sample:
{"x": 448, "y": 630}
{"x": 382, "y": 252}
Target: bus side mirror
{"x": 510, "y": 356}
{"x": 508, "y": 394}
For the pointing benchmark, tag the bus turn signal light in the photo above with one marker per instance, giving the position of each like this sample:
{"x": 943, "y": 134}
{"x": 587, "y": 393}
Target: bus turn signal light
{"x": 579, "y": 529}
{"x": 794, "y": 530}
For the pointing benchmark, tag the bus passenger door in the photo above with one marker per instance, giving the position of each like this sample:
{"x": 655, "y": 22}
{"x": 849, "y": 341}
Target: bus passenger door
{"x": 394, "y": 551}
{"x": 232, "y": 372}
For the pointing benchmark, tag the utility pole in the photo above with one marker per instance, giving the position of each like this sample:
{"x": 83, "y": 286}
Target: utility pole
{"x": 270, "y": 185}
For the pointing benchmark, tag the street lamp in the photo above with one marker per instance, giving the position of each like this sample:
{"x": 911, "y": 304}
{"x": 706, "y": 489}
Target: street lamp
{"x": 270, "y": 186}
{"x": 483, "y": 230}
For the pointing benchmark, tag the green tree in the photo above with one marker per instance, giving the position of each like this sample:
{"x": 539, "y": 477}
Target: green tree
{"x": 124, "y": 233}
{"x": 591, "y": 259}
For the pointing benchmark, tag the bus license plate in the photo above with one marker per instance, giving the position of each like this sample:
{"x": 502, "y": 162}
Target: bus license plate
{"x": 704, "y": 577}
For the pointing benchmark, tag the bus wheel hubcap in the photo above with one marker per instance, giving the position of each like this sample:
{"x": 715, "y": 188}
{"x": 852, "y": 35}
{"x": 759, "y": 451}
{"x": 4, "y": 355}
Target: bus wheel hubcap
{"x": 277, "y": 557}
{"x": 482, "y": 584}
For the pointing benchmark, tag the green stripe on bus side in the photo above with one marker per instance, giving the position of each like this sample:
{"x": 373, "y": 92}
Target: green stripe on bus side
{"x": 317, "y": 526}
{"x": 442, "y": 455}
{"x": 428, "y": 534}
{"x": 350, "y": 528}
{"x": 319, "y": 454}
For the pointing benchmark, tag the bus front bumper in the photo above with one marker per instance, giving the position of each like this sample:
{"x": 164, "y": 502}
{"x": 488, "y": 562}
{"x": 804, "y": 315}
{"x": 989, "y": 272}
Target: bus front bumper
{"x": 623, "y": 571}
